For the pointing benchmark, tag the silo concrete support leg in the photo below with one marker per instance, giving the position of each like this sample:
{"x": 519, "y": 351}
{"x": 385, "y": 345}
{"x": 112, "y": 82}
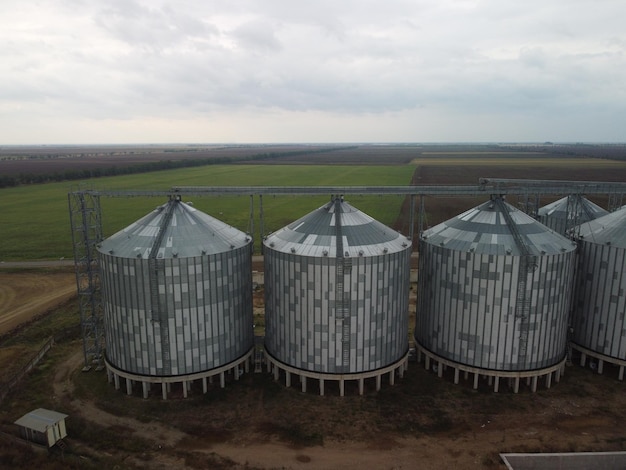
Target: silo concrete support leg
{"x": 236, "y": 372}
{"x": 516, "y": 386}
{"x": 620, "y": 375}
{"x": 583, "y": 359}
{"x": 378, "y": 382}
{"x": 440, "y": 370}
{"x": 246, "y": 365}
{"x": 549, "y": 380}
{"x": 496, "y": 385}
{"x": 204, "y": 385}
{"x": 427, "y": 363}
{"x": 276, "y": 372}
{"x": 303, "y": 383}
{"x": 401, "y": 370}
{"x": 146, "y": 389}
{"x": 321, "y": 387}
{"x": 341, "y": 388}
{"x": 109, "y": 375}
{"x": 222, "y": 380}
{"x": 129, "y": 387}
{"x": 534, "y": 385}
{"x": 288, "y": 379}
{"x": 361, "y": 387}
{"x": 116, "y": 380}
{"x": 392, "y": 377}
{"x": 164, "y": 390}
{"x": 557, "y": 374}
{"x": 476, "y": 380}
{"x": 600, "y": 366}
{"x": 456, "y": 375}
{"x": 184, "y": 384}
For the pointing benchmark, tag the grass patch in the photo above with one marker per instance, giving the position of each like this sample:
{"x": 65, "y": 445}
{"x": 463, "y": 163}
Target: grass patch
{"x": 47, "y": 204}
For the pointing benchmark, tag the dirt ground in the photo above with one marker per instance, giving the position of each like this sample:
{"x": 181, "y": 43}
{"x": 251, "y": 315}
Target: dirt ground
{"x": 26, "y": 295}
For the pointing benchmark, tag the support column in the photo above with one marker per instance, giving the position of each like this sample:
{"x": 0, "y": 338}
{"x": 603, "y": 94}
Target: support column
{"x": 246, "y": 365}
{"x": 534, "y": 385}
{"x": 341, "y": 388}
{"x": 236, "y": 372}
{"x": 303, "y": 383}
{"x": 164, "y": 390}
{"x": 583, "y": 359}
{"x": 109, "y": 375}
{"x": 549, "y": 380}
{"x": 516, "y": 386}
{"x": 321, "y": 387}
{"x": 427, "y": 362}
{"x": 184, "y": 384}
{"x": 222, "y": 380}
{"x": 204, "y": 385}
{"x": 496, "y": 385}
{"x": 287, "y": 379}
{"x": 378, "y": 382}
{"x": 476, "y": 380}
{"x": 456, "y": 375}
{"x": 276, "y": 372}
{"x": 116, "y": 380}
{"x": 146, "y": 389}
{"x": 168, "y": 385}
{"x": 600, "y": 366}
{"x": 392, "y": 378}
{"x": 361, "y": 386}
{"x": 620, "y": 375}
{"x": 439, "y": 369}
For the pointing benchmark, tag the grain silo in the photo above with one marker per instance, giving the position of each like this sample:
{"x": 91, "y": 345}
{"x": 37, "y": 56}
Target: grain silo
{"x": 494, "y": 296}
{"x": 336, "y": 298}
{"x": 568, "y": 212}
{"x": 598, "y": 320}
{"x": 177, "y": 298}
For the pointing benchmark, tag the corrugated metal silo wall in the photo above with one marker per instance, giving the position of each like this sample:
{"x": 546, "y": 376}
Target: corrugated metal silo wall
{"x": 466, "y": 308}
{"x": 304, "y": 328}
{"x": 208, "y": 300}
{"x": 598, "y": 319}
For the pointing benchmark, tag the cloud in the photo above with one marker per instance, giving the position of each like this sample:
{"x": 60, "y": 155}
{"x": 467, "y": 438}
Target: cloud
{"x": 285, "y": 63}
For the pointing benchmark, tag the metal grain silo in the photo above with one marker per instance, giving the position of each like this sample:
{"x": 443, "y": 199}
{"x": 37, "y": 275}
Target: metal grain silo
{"x": 568, "y": 212}
{"x": 336, "y": 298}
{"x": 598, "y": 320}
{"x": 177, "y": 298}
{"x": 494, "y": 295}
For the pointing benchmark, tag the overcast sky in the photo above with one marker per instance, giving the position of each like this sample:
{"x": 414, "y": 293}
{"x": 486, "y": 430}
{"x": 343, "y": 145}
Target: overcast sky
{"x": 153, "y": 71}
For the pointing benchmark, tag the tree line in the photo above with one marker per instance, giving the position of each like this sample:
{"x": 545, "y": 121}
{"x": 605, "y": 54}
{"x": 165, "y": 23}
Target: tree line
{"x": 24, "y": 178}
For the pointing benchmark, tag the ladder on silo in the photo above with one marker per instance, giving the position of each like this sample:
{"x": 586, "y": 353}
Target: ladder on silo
{"x": 156, "y": 266}
{"x": 342, "y": 298}
{"x": 528, "y": 264}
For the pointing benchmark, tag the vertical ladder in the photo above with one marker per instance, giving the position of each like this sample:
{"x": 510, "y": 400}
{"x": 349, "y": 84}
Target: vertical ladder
{"x": 342, "y": 298}
{"x": 156, "y": 267}
{"x": 528, "y": 263}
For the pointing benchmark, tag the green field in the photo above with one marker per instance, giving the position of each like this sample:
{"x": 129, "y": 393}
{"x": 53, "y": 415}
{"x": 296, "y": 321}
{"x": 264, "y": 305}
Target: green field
{"x": 35, "y": 219}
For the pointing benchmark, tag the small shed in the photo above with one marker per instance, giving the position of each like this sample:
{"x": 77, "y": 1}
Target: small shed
{"x": 43, "y": 426}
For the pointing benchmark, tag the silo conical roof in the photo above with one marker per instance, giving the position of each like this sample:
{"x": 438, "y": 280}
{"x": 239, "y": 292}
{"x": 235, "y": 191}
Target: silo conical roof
{"x": 188, "y": 232}
{"x": 484, "y": 229}
{"x": 316, "y": 234}
{"x": 608, "y": 229}
{"x": 569, "y": 211}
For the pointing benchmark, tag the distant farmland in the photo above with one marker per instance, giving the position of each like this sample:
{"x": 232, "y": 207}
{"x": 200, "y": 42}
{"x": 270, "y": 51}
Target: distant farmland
{"x": 35, "y": 222}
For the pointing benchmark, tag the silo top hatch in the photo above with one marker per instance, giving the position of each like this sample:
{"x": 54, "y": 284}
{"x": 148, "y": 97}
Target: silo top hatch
{"x": 181, "y": 232}
{"x": 485, "y": 230}
{"x": 606, "y": 230}
{"x": 337, "y": 226}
